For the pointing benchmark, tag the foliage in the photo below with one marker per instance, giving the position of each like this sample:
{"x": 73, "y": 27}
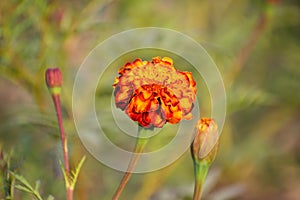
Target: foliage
{"x": 26, "y": 187}
{"x": 255, "y": 44}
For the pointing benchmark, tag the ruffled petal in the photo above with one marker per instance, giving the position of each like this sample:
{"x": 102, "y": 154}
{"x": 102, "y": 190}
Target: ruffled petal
{"x": 154, "y": 93}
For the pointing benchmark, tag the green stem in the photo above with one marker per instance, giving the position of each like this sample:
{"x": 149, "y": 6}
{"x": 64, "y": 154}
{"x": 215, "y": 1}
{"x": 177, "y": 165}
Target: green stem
{"x": 139, "y": 147}
{"x": 200, "y": 170}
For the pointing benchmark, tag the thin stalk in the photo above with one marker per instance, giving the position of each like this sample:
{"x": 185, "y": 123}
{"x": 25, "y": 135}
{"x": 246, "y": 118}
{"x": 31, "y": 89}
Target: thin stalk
{"x": 246, "y": 50}
{"x": 201, "y": 170}
{"x": 56, "y": 101}
{"x": 139, "y": 147}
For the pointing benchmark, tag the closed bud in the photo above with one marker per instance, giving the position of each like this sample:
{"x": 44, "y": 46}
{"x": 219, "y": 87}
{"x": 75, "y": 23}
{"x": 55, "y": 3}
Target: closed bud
{"x": 205, "y": 144}
{"x": 53, "y": 78}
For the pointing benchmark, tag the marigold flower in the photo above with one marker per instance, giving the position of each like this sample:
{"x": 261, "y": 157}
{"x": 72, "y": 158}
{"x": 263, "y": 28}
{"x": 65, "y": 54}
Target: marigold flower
{"x": 154, "y": 92}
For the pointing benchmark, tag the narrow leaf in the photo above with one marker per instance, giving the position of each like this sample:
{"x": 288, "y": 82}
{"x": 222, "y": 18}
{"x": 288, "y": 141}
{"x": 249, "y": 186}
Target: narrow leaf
{"x": 37, "y": 185}
{"x": 26, "y": 187}
{"x": 67, "y": 181}
{"x": 23, "y": 188}
{"x": 76, "y": 172}
{"x": 22, "y": 180}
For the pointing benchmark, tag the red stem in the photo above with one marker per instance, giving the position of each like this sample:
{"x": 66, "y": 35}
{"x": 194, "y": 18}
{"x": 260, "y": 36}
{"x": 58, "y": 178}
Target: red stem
{"x": 56, "y": 101}
{"x": 245, "y": 51}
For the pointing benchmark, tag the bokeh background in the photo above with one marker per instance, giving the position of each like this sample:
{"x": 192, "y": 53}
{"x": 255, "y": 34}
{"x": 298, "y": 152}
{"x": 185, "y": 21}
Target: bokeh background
{"x": 255, "y": 44}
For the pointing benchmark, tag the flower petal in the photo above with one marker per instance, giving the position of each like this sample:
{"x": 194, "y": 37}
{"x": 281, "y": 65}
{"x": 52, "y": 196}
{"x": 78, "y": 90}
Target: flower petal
{"x": 154, "y": 93}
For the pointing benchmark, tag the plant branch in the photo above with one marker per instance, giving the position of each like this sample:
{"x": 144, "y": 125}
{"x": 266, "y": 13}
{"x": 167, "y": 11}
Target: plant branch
{"x": 56, "y": 101}
{"x": 139, "y": 147}
{"x": 245, "y": 51}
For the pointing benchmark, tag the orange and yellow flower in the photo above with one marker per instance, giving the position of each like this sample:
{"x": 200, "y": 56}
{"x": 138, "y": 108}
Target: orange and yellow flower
{"x": 155, "y": 92}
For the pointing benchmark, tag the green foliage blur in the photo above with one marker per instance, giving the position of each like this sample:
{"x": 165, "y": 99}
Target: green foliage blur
{"x": 255, "y": 44}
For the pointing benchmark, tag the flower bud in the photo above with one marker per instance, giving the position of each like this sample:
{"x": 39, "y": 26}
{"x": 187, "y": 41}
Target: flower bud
{"x": 53, "y": 78}
{"x": 205, "y": 144}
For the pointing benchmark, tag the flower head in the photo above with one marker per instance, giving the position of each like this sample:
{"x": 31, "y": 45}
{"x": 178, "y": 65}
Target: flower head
{"x": 154, "y": 92}
{"x": 53, "y": 78}
{"x": 205, "y": 143}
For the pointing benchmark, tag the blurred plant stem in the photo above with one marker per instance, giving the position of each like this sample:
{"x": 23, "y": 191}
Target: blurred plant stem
{"x": 141, "y": 142}
{"x": 19, "y": 72}
{"x": 7, "y": 179}
{"x": 246, "y": 49}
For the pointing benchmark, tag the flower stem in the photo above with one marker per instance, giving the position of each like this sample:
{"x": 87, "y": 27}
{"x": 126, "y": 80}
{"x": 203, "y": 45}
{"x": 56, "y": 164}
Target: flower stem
{"x": 56, "y": 101}
{"x": 201, "y": 170}
{"x": 139, "y": 147}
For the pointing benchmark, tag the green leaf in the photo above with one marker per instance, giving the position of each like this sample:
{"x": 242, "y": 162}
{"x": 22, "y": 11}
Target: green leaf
{"x": 26, "y": 187}
{"x": 23, "y": 188}
{"x": 76, "y": 172}
{"x": 37, "y": 185}
{"x": 71, "y": 179}
{"x": 22, "y": 180}
{"x": 67, "y": 181}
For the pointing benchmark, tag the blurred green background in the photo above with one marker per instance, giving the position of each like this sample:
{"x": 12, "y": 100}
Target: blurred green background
{"x": 255, "y": 44}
